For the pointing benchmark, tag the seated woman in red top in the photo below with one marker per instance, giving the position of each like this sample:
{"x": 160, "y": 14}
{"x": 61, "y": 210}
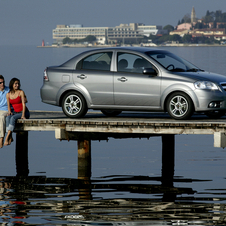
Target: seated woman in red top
{"x": 15, "y": 98}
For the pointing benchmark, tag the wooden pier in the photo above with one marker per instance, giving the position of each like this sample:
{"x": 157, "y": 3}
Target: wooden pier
{"x": 96, "y": 126}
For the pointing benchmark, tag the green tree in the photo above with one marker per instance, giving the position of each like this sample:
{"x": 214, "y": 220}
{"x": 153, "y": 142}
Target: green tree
{"x": 186, "y": 18}
{"x": 164, "y": 38}
{"x": 175, "y": 38}
{"x": 169, "y": 28}
{"x": 67, "y": 40}
{"x": 210, "y": 17}
{"x": 89, "y": 38}
{"x": 200, "y": 26}
{"x": 187, "y": 38}
{"x": 154, "y": 38}
{"x": 218, "y": 16}
{"x": 222, "y": 26}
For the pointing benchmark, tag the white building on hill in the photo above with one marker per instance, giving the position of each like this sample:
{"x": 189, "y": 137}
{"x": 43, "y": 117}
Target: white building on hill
{"x": 123, "y": 32}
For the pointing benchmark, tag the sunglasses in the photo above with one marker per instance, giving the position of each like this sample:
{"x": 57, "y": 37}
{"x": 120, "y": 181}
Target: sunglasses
{"x": 2, "y": 82}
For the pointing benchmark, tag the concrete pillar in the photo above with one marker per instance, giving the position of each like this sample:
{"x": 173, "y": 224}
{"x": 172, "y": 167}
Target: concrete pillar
{"x": 220, "y": 139}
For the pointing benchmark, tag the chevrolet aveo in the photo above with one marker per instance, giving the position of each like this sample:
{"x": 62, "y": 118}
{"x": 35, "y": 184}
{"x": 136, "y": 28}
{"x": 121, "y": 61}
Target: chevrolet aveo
{"x": 133, "y": 79}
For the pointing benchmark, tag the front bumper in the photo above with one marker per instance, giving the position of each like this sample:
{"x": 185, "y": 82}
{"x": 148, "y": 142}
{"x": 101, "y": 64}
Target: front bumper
{"x": 205, "y": 97}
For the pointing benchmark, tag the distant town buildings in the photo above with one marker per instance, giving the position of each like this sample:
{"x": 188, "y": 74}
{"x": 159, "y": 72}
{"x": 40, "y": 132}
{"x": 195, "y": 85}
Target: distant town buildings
{"x": 123, "y": 32}
{"x": 130, "y": 33}
{"x": 184, "y": 26}
{"x": 189, "y": 28}
{"x": 217, "y": 33}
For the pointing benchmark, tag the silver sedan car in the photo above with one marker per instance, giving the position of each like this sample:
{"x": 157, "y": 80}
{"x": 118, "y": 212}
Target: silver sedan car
{"x": 133, "y": 79}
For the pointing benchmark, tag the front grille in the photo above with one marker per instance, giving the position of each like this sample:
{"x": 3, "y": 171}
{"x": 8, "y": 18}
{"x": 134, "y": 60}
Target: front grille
{"x": 223, "y": 84}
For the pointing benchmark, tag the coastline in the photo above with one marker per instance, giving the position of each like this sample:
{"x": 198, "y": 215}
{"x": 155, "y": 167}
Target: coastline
{"x": 104, "y": 46}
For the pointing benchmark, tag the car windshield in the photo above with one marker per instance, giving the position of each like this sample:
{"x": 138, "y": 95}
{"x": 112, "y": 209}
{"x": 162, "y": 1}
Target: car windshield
{"x": 172, "y": 62}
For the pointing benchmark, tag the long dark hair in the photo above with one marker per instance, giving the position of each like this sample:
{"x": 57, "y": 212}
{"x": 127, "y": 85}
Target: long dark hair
{"x": 12, "y": 81}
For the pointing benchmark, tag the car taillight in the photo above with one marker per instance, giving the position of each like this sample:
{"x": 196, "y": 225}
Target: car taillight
{"x": 46, "y": 79}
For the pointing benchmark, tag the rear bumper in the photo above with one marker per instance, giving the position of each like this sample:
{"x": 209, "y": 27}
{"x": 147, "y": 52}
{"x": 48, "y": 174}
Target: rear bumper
{"x": 48, "y": 95}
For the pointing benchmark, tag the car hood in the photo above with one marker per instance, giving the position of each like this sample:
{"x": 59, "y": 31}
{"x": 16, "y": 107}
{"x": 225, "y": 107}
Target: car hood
{"x": 205, "y": 76}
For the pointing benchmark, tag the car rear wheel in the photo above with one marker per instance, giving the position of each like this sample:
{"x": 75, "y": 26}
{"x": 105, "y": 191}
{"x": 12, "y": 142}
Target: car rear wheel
{"x": 74, "y": 105}
{"x": 180, "y": 106}
{"x": 110, "y": 112}
{"x": 215, "y": 114}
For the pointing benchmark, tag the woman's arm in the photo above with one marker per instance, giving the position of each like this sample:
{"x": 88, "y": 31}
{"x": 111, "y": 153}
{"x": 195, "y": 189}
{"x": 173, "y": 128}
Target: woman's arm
{"x": 22, "y": 95}
{"x": 8, "y": 104}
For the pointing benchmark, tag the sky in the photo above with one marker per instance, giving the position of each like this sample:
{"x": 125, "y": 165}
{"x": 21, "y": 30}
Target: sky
{"x": 28, "y": 22}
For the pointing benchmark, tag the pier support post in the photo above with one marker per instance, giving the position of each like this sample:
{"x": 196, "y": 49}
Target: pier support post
{"x": 84, "y": 159}
{"x": 22, "y": 153}
{"x": 168, "y": 159}
{"x": 84, "y": 168}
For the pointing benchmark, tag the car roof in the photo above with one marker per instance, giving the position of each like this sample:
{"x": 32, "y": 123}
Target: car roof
{"x": 70, "y": 62}
{"x": 128, "y": 48}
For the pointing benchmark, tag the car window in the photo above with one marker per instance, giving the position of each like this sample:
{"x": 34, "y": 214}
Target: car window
{"x": 171, "y": 62}
{"x": 127, "y": 62}
{"x": 97, "y": 61}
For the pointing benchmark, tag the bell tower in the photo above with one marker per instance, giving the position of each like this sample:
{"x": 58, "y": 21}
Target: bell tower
{"x": 193, "y": 15}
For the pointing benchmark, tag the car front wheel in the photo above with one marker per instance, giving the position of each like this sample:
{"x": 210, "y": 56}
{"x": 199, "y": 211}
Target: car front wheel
{"x": 74, "y": 105}
{"x": 180, "y": 106}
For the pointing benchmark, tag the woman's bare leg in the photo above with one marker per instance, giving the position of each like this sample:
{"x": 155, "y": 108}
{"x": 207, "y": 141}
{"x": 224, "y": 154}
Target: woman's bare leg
{"x": 8, "y": 138}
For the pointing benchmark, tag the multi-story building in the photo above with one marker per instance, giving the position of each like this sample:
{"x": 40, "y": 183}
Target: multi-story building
{"x": 217, "y": 33}
{"x": 180, "y": 32}
{"x": 147, "y": 30}
{"x": 78, "y": 32}
{"x": 123, "y": 32}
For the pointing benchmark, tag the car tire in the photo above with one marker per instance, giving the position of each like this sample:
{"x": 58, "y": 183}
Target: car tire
{"x": 180, "y": 106}
{"x": 215, "y": 114}
{"x": 74, "y": 105}
{"x": 110, "y": 112}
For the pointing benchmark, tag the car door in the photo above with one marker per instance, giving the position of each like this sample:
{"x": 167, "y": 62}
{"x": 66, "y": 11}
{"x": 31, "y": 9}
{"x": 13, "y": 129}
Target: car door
{"x": 131, "y": 86}
{"x": 95, "y": 77}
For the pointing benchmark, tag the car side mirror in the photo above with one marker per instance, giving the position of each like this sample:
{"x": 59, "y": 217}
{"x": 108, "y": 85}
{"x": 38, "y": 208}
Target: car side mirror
{"x": 149, "y": 71}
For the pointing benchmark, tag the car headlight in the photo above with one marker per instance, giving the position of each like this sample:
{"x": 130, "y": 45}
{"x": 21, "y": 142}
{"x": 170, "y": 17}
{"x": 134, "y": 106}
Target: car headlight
{"x": 205, "y": 85}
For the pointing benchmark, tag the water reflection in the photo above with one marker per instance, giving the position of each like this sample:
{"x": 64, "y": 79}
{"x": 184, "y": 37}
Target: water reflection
{"x": 25, "y": 199}
{"x": 109, "y": 200}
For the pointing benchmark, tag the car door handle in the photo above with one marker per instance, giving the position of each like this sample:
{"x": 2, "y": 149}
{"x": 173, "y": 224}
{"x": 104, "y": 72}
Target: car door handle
{"x": 82, "y": 76}
{"x": 122, "y": 79}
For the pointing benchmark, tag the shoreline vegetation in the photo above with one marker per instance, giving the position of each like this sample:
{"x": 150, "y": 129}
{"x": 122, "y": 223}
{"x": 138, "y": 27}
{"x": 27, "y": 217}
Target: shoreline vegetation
{"x": 102, "y": 46}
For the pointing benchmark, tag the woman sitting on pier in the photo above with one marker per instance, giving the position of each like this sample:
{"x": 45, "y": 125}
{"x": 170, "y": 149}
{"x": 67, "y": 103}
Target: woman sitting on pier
{"x": 17, "y": 99}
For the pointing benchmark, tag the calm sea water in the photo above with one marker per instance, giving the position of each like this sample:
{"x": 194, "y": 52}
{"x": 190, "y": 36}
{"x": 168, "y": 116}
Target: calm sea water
{"x": 125, "y": 186}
